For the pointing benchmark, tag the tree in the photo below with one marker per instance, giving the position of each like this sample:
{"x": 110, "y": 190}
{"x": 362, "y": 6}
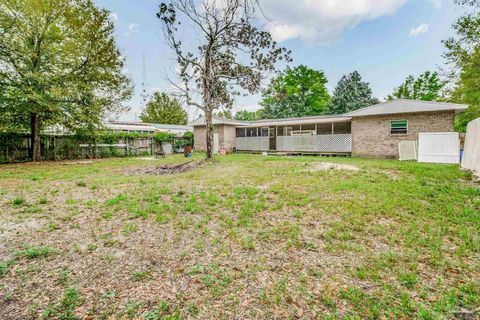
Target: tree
{"x": 250, "y": 115}
{"x": 296, "y": 92}
{"x": 427, "y": 87}
{"x": 351, "y": 93}
{"x": 227, "y": 114}
{"x": 229, "y": 57}
{"x": 463, "y": 53}
{"x": 59, "y": 64}
{"x": 163, "y": 109}
{"x": 473, "y": 3}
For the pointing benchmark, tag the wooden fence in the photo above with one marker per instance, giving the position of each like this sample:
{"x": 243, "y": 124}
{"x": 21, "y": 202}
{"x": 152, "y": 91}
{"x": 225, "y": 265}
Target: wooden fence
{"x": 15, "y": 148}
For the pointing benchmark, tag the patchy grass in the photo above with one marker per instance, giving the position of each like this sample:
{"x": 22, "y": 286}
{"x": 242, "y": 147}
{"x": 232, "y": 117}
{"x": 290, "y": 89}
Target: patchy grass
{"x": 243, "y": 237}
{"x": 35, "y": 252}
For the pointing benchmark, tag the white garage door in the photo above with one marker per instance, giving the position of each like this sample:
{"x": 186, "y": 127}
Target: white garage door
{"x": 439, "y": 147}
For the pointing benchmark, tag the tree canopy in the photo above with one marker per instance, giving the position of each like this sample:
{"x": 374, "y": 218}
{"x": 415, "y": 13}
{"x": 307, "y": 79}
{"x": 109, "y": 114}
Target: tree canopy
{"x": 463, "y": 53}
{"x": 351, "y": 93}
{"x": 227, "y": 114}
{"x": 227, "y": 55}
{"x": 427, "y": 87}
{"x": 296, "y": 92}
{"x": 163, "y": 109}
{"x": 59, "y": 64}
{"x": 245, "y": 115}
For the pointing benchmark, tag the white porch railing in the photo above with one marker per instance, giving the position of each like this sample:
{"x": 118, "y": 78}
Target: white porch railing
{"x": 316, "y": 143}
{"x": 304, "y": 143}
{"x": 253, "y": 144}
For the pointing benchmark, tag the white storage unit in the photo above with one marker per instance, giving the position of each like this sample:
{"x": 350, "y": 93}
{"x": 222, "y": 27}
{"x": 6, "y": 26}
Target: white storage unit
{"x": 439, "y": 147}
{"x": 167, "y": 147}
{"x": 471, "y": 152}
{"x": 407, "y": 150}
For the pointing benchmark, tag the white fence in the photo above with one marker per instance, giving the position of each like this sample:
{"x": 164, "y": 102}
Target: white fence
{"x": 439, "y": 147}
{"x": 334, "y": 143}
{"x": 253, "y": 144}
{"x": 471, "y": 154}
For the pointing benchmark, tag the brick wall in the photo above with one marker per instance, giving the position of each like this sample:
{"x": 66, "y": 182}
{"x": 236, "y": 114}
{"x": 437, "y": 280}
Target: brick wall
{"x": 226, "y": 137}
{"x": 229, "y": 138}
{"x": 371, "y": 135}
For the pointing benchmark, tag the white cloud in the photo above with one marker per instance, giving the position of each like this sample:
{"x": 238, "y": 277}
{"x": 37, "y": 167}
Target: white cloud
{"x": 113, "y": 16}
{"x": 420, "y": 29}
{"x": 322, "y": 20}
{"x": 132, "y": 28}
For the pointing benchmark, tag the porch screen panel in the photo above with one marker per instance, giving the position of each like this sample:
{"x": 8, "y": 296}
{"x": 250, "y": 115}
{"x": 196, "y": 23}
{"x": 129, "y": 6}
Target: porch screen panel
{"x": 251, "y": 132}
{"x": 241, "y": 132}
{"x": 324, "y": 128}
{"x": 342, "y": 127}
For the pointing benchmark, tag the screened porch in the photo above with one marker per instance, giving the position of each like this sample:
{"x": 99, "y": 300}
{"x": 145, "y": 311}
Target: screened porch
{"x": 332, "y": 137}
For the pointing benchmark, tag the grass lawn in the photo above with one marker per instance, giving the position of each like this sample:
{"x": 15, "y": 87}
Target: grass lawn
{"x": 246, "y": 237}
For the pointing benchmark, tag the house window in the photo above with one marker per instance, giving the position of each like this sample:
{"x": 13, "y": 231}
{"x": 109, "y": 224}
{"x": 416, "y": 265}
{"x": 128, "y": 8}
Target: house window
{"x": 399, "y": 127}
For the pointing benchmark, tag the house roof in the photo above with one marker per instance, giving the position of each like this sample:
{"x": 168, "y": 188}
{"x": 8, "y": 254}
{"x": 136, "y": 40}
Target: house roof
{"x": 155, "y": 125}
{"x": 171, "y": 126}
{"x": 218, "y": 120}
{"x": 272, "y": 122}
{"x": 297, "y": 121}
{"x": 130, "y": 127}
{"x": 406, "y": 106}
{"x": 147, "y": 127}
{"x": 389, "y": 107}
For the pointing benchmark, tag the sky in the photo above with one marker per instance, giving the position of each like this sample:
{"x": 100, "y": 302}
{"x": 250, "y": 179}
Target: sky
{"x": 385, "y": 40}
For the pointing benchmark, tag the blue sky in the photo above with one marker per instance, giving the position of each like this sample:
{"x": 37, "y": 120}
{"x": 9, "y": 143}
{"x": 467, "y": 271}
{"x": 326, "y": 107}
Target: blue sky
{"x": 385, "y": 40}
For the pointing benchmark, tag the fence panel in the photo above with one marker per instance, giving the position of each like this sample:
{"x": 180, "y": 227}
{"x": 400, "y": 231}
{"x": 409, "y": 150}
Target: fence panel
{"x": 15, "y": 147}
{"x": 316, "y": 143}
{"x": 253, "y": 144}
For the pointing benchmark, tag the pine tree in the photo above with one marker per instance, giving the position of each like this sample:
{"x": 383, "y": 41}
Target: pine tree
{"x": 351, "y": 94}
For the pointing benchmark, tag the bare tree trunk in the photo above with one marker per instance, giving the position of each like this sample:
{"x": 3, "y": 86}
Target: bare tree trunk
{"x": 35, "y": 136}
{"x": 207, "y": 101}
{"x": 209, "y": 132}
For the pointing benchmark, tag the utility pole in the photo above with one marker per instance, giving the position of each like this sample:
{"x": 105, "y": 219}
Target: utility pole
{"x": 145, "y": 85}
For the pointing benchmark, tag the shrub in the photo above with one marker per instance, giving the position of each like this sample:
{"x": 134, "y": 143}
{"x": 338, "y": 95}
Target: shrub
{"x": 164, "y": 137}
{"x": 18, "y": 201}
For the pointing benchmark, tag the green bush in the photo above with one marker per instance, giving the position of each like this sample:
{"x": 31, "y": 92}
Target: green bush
{"x": 164, "y": 137}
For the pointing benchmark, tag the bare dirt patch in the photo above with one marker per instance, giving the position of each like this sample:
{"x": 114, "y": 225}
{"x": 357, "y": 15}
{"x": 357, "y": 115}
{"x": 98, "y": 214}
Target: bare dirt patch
{"x": 167, "y": 169}
{"x": 77, "y": 162}
{"x": 325, "y": 166}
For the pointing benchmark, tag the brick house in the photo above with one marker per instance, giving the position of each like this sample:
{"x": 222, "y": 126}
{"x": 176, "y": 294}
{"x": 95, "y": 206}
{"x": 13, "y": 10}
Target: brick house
{"x": 373, "y": 131}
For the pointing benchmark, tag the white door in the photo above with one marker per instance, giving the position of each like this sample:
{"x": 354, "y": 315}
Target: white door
{"x": 216, "y": 143}
{"x": 439, "y": 147}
